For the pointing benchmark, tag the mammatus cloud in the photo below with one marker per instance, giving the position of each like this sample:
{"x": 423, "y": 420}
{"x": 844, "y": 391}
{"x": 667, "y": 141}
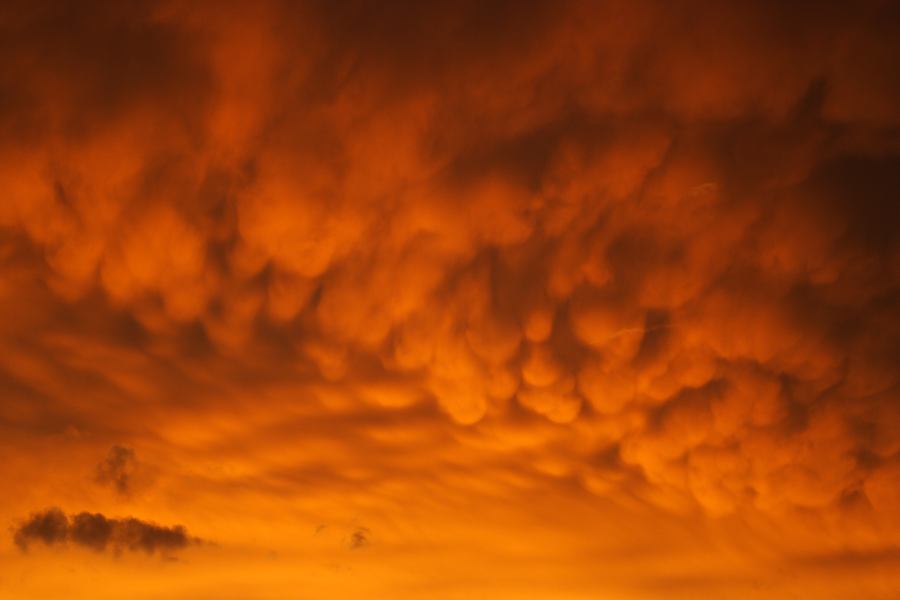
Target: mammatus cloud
{"x": 99, "y": 533}
{"x": 637, "y": 253}
{"x": 590, "y": 240}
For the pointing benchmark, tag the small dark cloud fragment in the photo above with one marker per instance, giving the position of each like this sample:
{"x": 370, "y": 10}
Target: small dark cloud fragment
{"x": 359, "y": 539}
{"x": 118, "y": 469}
{"x": 99, "y": 533}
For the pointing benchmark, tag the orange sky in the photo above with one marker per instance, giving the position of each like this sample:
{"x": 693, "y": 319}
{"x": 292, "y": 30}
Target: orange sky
{"x": 449, "y": 300}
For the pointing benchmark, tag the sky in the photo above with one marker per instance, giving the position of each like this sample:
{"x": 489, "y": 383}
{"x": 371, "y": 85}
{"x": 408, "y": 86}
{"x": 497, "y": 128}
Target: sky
{"x": 450, "y": 300}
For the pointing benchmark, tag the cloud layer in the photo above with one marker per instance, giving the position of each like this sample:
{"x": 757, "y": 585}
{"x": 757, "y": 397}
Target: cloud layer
{"x": 631, "y": 252}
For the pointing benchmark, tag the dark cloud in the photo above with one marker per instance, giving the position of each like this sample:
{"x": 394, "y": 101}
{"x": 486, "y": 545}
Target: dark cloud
{"x": 359, "y": 538}
{"x": 663, "y": 228}
{"x": 99, "y": 533}
{"x": 50, "y": 527}
{"x": 118, "y": 469}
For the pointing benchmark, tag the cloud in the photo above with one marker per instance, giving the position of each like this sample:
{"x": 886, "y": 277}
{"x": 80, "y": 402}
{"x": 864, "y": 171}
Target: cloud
{"x": 359, "y": 539}
{"x": 358, "y": 255}
{"x": 602, "y": 246}
{"x": 118, "y": 469}
{"x": 99, "y": 533}
{"x": 50, "y": 527}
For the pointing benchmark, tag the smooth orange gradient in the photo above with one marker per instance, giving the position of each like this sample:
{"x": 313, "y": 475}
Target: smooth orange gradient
{"x": 449, "y": 300}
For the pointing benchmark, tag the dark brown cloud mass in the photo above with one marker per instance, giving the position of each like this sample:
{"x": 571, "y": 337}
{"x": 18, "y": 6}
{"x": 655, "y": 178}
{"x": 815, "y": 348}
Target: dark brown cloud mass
{"x": 337, "y": 259}
{"x": 118, "y": 469}
{"x": 99, "y": 533}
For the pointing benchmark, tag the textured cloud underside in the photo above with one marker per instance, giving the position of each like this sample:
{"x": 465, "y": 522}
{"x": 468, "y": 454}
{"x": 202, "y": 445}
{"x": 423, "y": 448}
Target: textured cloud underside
{"x": 623, "y": 250}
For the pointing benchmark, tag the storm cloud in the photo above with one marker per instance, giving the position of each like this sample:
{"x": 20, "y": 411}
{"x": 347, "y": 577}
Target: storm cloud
{"x": 337, "y": 260}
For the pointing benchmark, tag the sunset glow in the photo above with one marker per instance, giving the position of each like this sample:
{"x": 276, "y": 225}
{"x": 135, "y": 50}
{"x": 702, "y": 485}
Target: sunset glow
{"x": 507, "y": 300}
